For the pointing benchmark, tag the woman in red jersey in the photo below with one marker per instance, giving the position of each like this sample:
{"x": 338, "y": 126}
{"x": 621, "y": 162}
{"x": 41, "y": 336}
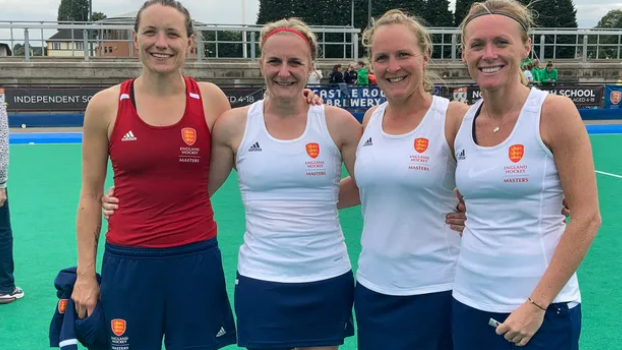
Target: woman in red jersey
{"x": 161, "y": 273}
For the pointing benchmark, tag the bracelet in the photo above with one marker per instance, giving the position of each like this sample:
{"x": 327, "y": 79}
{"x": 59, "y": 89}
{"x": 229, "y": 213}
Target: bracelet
{"x": 534, "y": 303}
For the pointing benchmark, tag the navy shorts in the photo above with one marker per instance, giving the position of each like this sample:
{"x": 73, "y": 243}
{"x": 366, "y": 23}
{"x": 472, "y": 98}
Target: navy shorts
{"x": 177, "y": 293}
{"x": 274, "y": 315}
{"x": 560, "y": 331}
{"x": 421, "y": 322}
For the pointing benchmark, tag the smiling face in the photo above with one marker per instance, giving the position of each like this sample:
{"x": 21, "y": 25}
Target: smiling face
{"x": 285, "y": 65}
{"x": 494, "y": 46}
{"x": 397, "y": 60}
{"x": 162, "y": 39}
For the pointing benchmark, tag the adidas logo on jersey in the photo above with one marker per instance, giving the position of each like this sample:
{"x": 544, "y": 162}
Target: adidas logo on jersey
{"x": 255, "y": 147}
{"x": 129, "y": 137}
{"x": 368, "y": 143}
{"x": 221, "y": 332}
{"x": 462, "y": 155}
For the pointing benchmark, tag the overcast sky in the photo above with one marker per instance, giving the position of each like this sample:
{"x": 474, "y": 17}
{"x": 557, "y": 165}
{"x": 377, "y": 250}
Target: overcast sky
{"x": 589, "y": 12}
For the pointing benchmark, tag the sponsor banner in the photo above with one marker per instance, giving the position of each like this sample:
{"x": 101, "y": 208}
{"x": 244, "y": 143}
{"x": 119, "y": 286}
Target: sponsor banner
{"x": 53, "y": 99}
{"x": 582, "y": 96}
{"x": 613, "y": 96}
{"x": 33, "y": 99}
{"x": 360, "y": 97}
{"x": 38, "y": 99}
{"x": 354, "y": 97}
{"x": 240, "y": 97}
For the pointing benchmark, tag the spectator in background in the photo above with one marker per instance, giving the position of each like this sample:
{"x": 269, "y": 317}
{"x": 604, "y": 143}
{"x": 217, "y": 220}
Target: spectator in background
{"x": 337, "y": 78}
{"x": 8, "y": 291}
{"x": 362, "y": 77}
{"x": 549, "y": 75}
{"x": 349, "y": 76}
{"x": 527, "y": 72}
{"x": 315, "y": 77}
{"x": 536, "y": 70}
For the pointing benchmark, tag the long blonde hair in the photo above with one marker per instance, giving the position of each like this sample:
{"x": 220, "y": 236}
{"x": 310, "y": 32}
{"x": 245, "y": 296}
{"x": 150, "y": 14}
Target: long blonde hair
{"x": 509, "y": 8}
{"x": 423, "y": 38}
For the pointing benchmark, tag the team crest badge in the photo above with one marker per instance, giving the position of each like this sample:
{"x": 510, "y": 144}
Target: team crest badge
{"x": 421, "y": 144}
{"x": 189, "y": 135}
{"x": 62, "y": 305}
{"x": 118, "y": 326}
{"x": 616, "y": 97}
{"x": 516, "y": 153}
{"x": 313, "y": 150}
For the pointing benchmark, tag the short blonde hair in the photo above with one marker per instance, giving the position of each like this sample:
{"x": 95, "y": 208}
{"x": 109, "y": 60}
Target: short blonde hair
{"x": 423, "y": 37}
{"x": 292, "y": 23}
{"x": 509, "y": 8}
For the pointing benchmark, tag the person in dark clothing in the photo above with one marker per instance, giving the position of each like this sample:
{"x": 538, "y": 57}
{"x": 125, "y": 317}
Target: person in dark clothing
{"x": 349, "y": 77}
{"x": 8, "y": 291}
{"x": 337, "y": 78}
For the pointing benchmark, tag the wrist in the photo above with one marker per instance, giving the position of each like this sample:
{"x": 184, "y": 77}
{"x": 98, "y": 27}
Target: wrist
{"x": 538, "y": 304}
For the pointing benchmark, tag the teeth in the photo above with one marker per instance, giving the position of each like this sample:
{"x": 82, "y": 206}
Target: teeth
{"x": 160, "y": 56}
{"x": 285, "y": 84}
{"x": 395, "y": 80}
{"x": 491, "y": 70}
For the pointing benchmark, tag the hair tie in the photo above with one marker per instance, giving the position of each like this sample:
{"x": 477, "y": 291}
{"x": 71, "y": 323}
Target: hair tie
{"x": 289, "y": 30}
{"x": 522, "y": 24}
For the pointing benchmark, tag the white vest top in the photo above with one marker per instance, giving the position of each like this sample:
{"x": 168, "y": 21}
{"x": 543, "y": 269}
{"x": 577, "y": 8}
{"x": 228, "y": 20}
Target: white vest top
{"x": 290, "y": 190}
{"x": 406, "y": 185}
{"x": 514, "y": 221}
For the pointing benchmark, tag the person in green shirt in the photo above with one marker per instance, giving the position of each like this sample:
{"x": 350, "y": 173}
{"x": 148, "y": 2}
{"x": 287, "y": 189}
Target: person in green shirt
{"x": 548, "y": 75}
{"x": 362, "y": 78}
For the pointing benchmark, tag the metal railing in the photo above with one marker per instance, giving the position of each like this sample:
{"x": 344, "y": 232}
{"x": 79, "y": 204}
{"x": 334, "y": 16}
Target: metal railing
{"x": 217, "y": 41}
{"x": 114, "y": 39}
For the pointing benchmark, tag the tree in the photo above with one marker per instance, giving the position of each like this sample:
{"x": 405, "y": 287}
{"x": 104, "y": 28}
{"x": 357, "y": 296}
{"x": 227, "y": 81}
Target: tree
{"x": 73, "y": 10}
{"x": 613, "y": 19}
{"x": 98, "y": 16}
{"x": 18, "y": 50}
{"x": 556, "y": 14}
{"x": 462, "y": 9}
{"x": 437, "y": 13}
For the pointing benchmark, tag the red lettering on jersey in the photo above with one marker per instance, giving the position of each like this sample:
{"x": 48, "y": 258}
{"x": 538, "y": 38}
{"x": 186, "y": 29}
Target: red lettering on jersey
{"x": 189, "y": 135}
{"x": 313, "y": 150}
{"x": 516, "y": 153}
{"x": 421, "y": 144}
{"x": 118, "y": 326}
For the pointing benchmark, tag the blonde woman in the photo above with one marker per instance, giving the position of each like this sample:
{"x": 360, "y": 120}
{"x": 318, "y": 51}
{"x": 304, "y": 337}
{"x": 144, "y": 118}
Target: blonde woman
{"x": 520, "y": 151}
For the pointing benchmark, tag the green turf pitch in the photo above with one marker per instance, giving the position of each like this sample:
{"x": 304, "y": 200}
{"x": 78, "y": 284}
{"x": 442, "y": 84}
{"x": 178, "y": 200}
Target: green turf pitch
{"x": 44, "y": 185}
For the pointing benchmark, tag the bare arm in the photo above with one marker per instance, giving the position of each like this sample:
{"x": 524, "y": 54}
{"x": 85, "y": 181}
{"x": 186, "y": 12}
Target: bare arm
{"x": 564, "y": 132}
{"x": 349, "y": 195}
{"x": 215, "y": 103}
{"x": 225, "y": 140}
{"x": 89, "y": 217}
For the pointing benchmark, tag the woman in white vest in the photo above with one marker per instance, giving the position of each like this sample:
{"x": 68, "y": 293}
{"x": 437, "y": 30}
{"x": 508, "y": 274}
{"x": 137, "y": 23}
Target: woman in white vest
{"x": 519, "y": 151}
{"x": 295, "y": 284}
{"x": 405, "y": 170}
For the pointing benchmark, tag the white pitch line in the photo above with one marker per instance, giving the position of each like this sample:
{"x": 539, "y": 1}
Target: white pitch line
{"x": 609, "y": 174}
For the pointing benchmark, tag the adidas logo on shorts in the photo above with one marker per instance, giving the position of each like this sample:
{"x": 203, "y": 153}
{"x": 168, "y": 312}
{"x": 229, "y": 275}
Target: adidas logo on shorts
{"x": 255, "y": 147}
{"x": 221, "y": 332}
{"x": 368, "y": 143}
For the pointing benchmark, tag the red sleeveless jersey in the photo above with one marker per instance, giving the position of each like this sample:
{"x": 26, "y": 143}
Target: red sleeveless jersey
{"x": 160, "y": 176}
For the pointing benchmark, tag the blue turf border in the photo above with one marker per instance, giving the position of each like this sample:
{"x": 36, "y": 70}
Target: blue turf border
{"x": 76, "y": 137}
